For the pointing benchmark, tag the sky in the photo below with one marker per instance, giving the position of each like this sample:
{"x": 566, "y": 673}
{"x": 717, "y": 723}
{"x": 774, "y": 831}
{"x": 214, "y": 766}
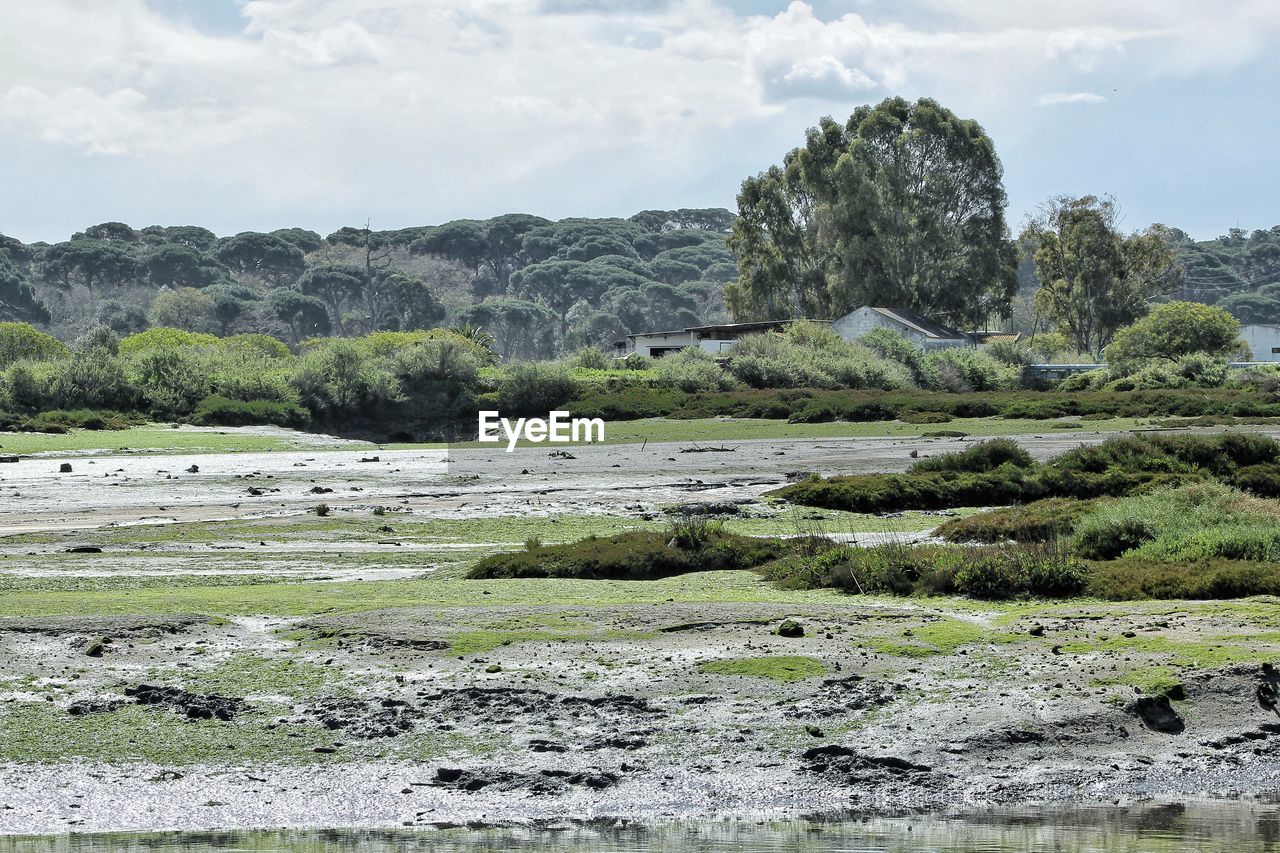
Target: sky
{"x": 260, "y": 114}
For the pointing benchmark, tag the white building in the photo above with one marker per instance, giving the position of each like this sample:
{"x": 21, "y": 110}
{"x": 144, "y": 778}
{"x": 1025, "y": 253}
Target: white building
{"x": 921, "y": 331}
{"x": 714, "y": 339}
{"x": 1263, "y": 341}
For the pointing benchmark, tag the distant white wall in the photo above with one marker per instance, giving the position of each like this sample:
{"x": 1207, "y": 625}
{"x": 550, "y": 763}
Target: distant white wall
{"x": 1263, "y": 341}
{"x": 855, "y": 324}
{"x": 647, "y": 343}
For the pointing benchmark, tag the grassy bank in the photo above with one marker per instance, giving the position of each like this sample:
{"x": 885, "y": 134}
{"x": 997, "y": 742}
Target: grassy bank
{"x": 711, "y": 431}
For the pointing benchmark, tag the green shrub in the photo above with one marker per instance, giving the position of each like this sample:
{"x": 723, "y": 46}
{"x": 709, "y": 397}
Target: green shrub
{"x": 216, "y": 410}
{"x": 983, "y": 456}
{"x": 533, "y": 388}
{"x": 925, "y": 417}
{"x": 635, "y": 555}
{"x": 812, "y": 356}
{"x": 1041, "y": 521}
{"x": 890, "y": 345}
{"x": 901, "y": 569}
{"x": 1263, "y": 479}
{"x": 1184, "y": 523}
{"x": 337, "y": 381}
{"x": 1137, "y": 577}
{"x": 590, "y": 358}
{"x": 1119, "y": 466}
{"x": 961, "y": 370}
{"x": 23, "y": 342}
{"x": 691, "y": 370}
{"x": 60, "y": 420}
{"x": 1011, "y": 353}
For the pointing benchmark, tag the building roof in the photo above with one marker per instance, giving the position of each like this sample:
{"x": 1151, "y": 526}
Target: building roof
{"x": 744, "y": 328}
{"x": 659, "y": 334}
{"x": 923, "y": 325}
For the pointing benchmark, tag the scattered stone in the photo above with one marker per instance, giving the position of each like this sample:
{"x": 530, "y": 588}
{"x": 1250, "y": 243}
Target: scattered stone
{"x": 64, "y": 468}
{"x": 8, "y": 459}
{"x": 384, "y": 718}
{"x": 93, "y": 706}
{"x": 84, "y": 549}
{"x": 193, "y": 705}
{"x": 704, "y": 508}
{"x": 193, "y": 469}
{"x": 95, "y": 647}
{"x": 790, "y": 628}
{"x": 542, "y": 782}
{"x": 320, "y": 490}
{"x": 541, "y": 745}
{"x": 370, "y": 459}
{"x": 853, "y": 767}
{"x": 1036, "y": 631}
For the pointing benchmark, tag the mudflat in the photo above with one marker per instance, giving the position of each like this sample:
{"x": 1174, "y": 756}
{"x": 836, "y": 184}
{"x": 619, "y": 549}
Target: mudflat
{"x": 178, "y": 652}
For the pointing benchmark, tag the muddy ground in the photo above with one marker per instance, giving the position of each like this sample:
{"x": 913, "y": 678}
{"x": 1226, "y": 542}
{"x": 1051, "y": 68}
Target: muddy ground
{"x": 431, "y": 700}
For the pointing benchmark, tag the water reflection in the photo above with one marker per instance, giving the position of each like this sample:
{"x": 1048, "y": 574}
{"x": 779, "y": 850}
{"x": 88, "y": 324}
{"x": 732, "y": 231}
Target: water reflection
{"x": 1143, "y": 827}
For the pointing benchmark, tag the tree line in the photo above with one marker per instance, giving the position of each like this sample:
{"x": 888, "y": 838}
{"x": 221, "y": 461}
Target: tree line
{"x": 904, "y": 204}
{"x": 536, "y": 287}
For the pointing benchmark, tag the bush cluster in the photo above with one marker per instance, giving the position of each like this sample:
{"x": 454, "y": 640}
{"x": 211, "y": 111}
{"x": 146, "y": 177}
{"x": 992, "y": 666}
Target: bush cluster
{"x": 991, "y": 474}
{"x": 998, "y": 572}
{"x": 635, "y": 555}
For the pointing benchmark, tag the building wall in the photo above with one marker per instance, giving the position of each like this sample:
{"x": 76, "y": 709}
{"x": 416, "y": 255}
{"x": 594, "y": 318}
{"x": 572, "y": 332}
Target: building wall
{"x": 1263, "y": 341}
{"x": 646, "y": 344}
{"x": 857, "y": 323}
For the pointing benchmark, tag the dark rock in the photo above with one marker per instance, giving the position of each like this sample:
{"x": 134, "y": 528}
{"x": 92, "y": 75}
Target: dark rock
{"x": 853, "y": 767}
{"x": 95, "y": 647}
{"x": 64, "y": 468}
{"x": 84, "y": 549}
{"x": 1157, "y": 714}
{"x": 193, "y": 469}
{"x": 540, "y": 745}
{"x": 370, "y": 459}
{"x": 367, "y": 720}
{"x": 8, "y": 459}
{"x": 704, "y": 508}
{"x": 93, "y": 706}
{"x": 841, "y": 695}
{"x": 535, "y": 782}
{"x": 790, "y": 628}
{"x": 616, "y": 742}
{"x": 320, "y": 490}
{"x": 193, "y": 705}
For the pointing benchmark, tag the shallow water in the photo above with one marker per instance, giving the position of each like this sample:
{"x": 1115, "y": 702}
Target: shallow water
{"x": 1142, "y": 827}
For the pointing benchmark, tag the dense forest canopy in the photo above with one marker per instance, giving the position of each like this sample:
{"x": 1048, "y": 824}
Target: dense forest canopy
{"x": 537, "y": 286}
{"x": 901, "y": 205}
{"x": 1239, "y": 271}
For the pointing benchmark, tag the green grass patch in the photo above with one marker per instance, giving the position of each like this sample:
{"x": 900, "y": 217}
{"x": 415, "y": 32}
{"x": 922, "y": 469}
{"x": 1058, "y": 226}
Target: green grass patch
{"x": 254, "y": 675}
{"x": 159, "y": 439}
{"x": 309, "y": 599}
{"x": 940, "y": 637}
{"x": 783, "y": 668}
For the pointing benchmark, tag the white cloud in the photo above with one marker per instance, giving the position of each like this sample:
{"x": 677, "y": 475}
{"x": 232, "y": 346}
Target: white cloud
{"x": 1055, "y": 98}
{"x": 480, "y": 103}
{"x": 348, "y": 42}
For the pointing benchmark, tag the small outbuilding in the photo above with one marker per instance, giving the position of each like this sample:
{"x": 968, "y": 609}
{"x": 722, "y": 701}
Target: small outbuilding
{"x": 921, "y": 331}
{"x": 1263, "y": 340}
